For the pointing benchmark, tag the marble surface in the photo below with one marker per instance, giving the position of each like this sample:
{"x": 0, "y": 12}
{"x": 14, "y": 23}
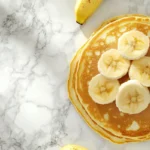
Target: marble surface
{"x": 37, "y": 41}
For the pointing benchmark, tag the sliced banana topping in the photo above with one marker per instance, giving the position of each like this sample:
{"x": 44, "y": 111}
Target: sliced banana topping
{"x": 112, "y": 65}
{"x": 140, "y": 70}
{"x": 133, "y": 45}
{"x": 132, "y": 97}
{"x": 103, "y": 90}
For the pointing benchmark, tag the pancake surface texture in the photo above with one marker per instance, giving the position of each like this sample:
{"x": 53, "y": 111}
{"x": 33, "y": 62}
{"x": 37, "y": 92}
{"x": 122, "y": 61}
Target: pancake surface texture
{"x": 106, "y": 119}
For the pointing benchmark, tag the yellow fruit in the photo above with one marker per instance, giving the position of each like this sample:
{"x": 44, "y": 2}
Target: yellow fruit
{"x": 85, "y": 8}
{"x": 140, "y": 70}
{"x": 132, "y": 97}
{"x": 73, "y": 147}
{"x": 133, "y": 45}
{"x": 103, "y": 90}
{"x": 112, "y": 65}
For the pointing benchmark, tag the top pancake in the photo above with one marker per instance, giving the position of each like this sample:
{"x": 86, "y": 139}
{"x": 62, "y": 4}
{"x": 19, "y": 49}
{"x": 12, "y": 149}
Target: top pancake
{"x": 76, "y": 99}
{"x": 108, "y": 116}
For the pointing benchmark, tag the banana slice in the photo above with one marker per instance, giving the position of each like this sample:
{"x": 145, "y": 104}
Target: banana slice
{"x": 132, "y": 97}
{"x": 103, "y": 90}
{"x": 133, "y": 45}
{"x": 112, "y": 65}
{"x": 140, "y": 70}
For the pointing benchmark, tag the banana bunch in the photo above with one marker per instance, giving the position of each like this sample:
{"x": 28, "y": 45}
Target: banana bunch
{"x": 133, "y": 96}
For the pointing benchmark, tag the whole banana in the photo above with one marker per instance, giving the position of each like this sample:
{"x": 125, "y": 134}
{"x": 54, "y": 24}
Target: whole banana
{"x": 73, "y": 147}
{"x": 85, "y": 8}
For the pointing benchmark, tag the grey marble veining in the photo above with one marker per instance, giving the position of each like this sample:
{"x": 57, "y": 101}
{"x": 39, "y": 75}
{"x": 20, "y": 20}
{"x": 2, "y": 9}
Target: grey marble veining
{"x": 37, "y": 41}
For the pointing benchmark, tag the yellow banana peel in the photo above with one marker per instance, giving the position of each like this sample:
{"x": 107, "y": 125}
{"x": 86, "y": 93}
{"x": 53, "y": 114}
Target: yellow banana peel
{"x": 85, "y": 8}
{"x": 73, "y": 147}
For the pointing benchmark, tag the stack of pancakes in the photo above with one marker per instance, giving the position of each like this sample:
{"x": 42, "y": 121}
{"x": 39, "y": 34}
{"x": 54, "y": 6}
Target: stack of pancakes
{"x": 107, "y": 120}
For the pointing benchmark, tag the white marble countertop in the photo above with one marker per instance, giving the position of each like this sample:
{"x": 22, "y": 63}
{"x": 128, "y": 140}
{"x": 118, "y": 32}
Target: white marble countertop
{"x": 37, "y": 41}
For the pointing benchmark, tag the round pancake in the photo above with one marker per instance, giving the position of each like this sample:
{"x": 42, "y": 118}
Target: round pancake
{"x": 81, "y": 105}
{"x": 108, "y": 116}
{"x": 74, "y": 98}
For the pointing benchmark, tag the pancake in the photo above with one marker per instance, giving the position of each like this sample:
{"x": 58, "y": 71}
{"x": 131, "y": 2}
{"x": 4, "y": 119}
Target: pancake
{"x": 88, "y": 68}
{"x": 74, "y": 98}
{"x": 94, "y": 114}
